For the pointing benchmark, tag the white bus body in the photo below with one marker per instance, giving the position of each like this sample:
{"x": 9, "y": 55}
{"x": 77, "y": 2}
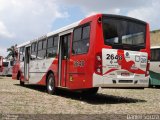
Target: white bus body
{"x": 7, "y": 68}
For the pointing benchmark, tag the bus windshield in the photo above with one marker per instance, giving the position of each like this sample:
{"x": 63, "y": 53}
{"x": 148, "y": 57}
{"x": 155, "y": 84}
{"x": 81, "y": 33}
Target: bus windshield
{"x": 124, "y": 33}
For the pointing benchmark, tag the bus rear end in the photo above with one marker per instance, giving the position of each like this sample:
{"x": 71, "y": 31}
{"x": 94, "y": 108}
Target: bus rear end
{"x": 122, "y": 61}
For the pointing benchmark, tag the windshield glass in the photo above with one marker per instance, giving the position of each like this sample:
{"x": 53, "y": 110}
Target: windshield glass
{"x": 124, "y": 33}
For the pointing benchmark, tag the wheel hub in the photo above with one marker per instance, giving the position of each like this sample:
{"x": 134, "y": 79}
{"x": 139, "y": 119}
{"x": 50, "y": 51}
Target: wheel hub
{"x": 50, "y": 84}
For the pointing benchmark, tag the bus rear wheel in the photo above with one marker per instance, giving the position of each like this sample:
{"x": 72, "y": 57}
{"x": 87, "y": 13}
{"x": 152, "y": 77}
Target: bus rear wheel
{"x": 51, "y": 84}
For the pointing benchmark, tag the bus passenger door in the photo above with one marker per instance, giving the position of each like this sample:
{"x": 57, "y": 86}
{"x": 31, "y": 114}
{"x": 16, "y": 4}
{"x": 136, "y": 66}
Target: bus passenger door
{"x": 64, "y": 48}
{"x": 26, "y": 63}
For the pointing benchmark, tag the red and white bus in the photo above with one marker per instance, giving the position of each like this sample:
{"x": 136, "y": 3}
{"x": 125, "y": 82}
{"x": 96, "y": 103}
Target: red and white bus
{"x": 108, "y": 51}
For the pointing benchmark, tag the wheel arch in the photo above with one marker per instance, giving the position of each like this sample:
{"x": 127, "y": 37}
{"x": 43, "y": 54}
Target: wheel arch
{"x": 49, "y": 72}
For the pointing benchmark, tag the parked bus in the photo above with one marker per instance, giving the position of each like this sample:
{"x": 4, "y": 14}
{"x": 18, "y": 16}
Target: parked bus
{"x": 1, "y": 64}
{"x": 108, "y": 51}
{"x": 7, "y": 68}
{"x": 155, "y": 66}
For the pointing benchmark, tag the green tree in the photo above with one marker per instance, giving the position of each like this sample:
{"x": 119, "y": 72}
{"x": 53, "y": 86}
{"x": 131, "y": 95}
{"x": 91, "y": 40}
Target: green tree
{"x": 11, "y": 52}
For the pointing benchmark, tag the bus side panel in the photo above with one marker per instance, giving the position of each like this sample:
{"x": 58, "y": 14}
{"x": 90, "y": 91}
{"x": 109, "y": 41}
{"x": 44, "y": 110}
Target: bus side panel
{"x": 53, "y": 68}
{"x": 95, "y": 41}
{"x": 81, "y": 67}
{"x": 77, "y": 74}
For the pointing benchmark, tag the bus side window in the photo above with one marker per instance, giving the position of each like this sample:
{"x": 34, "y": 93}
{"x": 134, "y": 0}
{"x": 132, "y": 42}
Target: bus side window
{"x": 33, "y": 51}
{"x": 21, "y": 54}
{"x": 155, "y": 55}
{"x": 81, "y": 39}
{"x": 42, "y": 49}
{"x": 152, "y": 54}
{"x": 52, "y": 46}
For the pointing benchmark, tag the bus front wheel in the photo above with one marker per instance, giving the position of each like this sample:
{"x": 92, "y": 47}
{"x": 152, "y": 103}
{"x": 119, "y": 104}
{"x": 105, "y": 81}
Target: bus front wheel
{"x": 51, "y": 84}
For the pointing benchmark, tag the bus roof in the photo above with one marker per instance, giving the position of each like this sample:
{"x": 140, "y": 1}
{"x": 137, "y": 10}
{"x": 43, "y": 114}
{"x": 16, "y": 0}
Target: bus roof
{"x": 24, "y": 44}
{"x": 68, "y": 27}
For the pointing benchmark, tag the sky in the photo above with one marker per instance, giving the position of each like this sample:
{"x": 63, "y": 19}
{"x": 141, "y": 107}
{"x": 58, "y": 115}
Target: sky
{"x": 24, "y": 20}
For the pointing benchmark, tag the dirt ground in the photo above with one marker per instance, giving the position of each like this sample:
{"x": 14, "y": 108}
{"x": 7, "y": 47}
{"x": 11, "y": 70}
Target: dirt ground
{"x": 33, "y": 99}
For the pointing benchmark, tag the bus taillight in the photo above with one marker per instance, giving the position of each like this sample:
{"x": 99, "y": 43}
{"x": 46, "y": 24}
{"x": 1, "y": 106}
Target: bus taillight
{"x": 98, "y": 64}
{"x": 147, "y": 70}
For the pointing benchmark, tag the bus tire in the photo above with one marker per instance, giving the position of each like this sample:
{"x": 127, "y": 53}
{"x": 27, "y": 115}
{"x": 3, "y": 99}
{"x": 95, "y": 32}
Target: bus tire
{"x": 51, "y": 84}
{"x": 90, "y": 91}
